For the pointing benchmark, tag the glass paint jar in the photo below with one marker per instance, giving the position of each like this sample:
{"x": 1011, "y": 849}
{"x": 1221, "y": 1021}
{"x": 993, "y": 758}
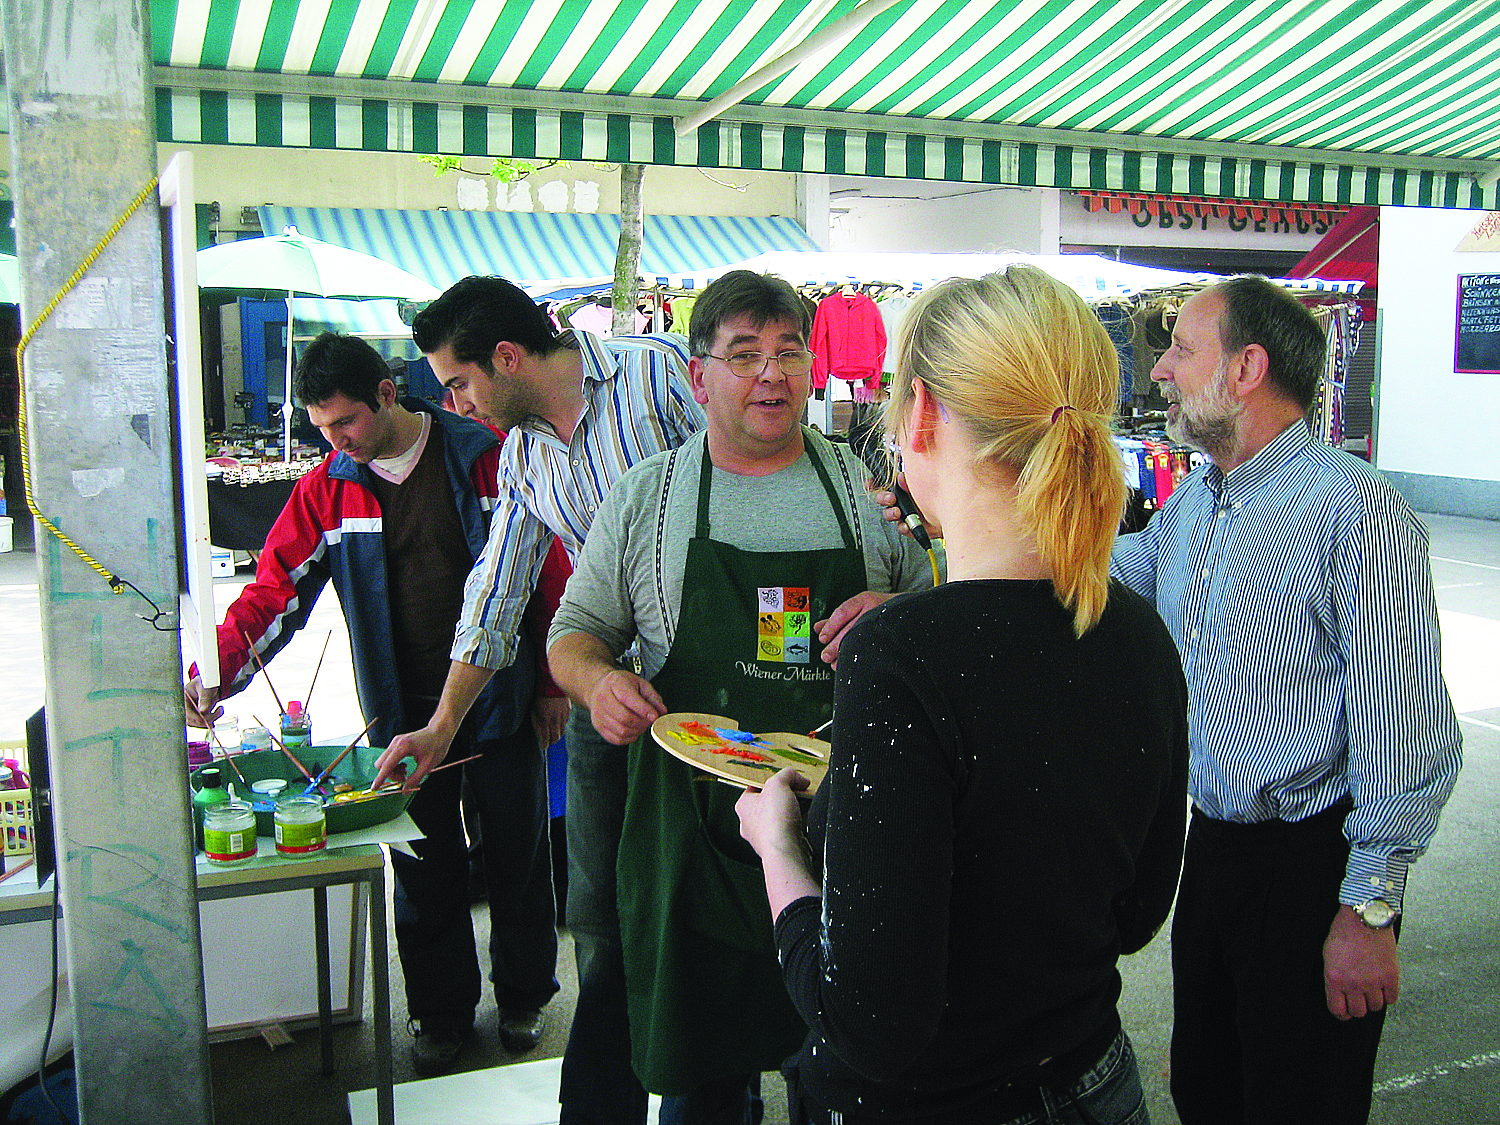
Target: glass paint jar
{"x": 301, "y": 826}
{"x": 296, "y": 727}
{"x": 229, "y": 834}
{"x": 254, "y": 738}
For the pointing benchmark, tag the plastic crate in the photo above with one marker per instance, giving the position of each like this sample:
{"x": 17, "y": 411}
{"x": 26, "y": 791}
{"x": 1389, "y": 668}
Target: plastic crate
{"x": 15, "y": 820}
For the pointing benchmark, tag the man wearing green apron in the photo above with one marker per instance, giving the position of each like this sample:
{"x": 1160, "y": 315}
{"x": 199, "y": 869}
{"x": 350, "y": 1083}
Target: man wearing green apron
{"x": 720, "y": 562}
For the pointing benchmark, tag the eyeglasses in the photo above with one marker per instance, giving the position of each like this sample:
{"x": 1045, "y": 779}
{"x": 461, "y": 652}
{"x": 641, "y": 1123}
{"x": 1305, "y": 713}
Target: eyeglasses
{"x": 752, "y": 365}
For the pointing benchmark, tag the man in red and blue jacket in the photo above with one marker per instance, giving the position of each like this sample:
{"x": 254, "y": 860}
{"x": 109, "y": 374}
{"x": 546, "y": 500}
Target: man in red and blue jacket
{"x": 395, "y": 516}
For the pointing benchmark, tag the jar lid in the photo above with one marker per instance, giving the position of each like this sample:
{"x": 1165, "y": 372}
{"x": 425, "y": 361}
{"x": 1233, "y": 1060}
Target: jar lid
{"x": 271, "y": 786}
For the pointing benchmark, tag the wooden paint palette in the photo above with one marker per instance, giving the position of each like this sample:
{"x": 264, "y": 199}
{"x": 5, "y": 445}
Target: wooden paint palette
{"x": 717, "y": 746}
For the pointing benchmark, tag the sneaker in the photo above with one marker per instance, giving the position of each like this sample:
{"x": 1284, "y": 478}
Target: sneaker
{"x": 437, "y": 1045}
{"x": 520, "y": 1030}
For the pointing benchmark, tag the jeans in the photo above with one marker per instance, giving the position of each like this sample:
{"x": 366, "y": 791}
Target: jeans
{"x": 434, "y": 929}
{"x": 1108, "y": 1093}
{"x": 598, "y": 1085}
{"x": 734, "y": 1100}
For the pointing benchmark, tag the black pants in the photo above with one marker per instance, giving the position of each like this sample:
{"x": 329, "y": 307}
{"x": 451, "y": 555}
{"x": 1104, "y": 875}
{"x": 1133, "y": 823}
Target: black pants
{"x": 1252, "y": 1038}
{"x": 434, "y": 930}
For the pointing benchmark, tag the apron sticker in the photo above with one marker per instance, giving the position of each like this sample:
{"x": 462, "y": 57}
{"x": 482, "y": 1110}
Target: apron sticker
{"x": 784, "y": 626}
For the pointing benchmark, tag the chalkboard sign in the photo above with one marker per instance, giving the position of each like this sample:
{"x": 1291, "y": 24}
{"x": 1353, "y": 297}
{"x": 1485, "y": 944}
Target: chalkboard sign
{"x": 1477, "y": 347}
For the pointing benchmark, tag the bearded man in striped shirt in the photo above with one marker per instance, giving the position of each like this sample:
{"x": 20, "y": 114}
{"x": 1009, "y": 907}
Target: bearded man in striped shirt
{"x": 1297, "y": 586}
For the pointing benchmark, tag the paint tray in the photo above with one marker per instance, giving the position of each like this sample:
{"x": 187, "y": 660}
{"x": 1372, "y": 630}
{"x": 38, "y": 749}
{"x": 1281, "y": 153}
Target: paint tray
{"x": 358, "y": 769}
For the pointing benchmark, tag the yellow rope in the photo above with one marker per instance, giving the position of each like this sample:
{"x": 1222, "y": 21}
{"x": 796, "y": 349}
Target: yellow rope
{"x": 115, "y": 584}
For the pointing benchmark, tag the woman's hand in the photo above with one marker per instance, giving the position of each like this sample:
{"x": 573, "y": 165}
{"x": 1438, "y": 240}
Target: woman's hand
{"x": 771, "y": 818}
{"x": 771, "y": 821}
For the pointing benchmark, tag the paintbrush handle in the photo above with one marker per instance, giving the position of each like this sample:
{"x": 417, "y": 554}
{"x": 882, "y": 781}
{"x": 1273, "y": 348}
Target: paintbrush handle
{"x": 347, "y": 750}
{"x": 307, "y": 699}
{"x": 276, "y": 742}
{"x": 447, "y": 765}
{"x": 16, "y": 870}
{"x": 255, "y": 656}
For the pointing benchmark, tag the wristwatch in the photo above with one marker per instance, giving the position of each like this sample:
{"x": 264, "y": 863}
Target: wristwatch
{"x": 1377, "y": 913}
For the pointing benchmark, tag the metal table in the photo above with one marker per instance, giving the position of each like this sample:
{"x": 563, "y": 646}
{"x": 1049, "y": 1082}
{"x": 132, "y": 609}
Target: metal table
{"x": 361, "y": 863}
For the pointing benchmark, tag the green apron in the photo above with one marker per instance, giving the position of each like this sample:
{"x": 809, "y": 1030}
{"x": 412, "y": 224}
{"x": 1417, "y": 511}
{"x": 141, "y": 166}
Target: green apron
{"x": 705, "y": 989}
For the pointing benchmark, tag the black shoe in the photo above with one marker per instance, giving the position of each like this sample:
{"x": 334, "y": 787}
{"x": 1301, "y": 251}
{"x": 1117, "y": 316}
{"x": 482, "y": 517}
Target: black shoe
{"x": 520, "y": 1030}
{"x": 438, "y": 1043}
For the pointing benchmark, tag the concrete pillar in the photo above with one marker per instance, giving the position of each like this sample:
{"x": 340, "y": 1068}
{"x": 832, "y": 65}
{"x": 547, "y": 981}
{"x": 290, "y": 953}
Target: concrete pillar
{"x": 101, "y": 453}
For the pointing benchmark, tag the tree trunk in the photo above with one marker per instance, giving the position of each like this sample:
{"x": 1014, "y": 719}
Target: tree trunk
{"x": 628, "y": 260}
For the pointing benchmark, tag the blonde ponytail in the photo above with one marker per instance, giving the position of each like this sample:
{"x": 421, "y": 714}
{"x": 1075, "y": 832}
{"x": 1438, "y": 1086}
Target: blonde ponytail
{"x": 1025, "y": 365}
{"x": 1070, "y": 494}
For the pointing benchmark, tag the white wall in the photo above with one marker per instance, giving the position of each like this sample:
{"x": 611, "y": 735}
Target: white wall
{"x": 1432, "y": 421}
{"x": 919, "y": 216}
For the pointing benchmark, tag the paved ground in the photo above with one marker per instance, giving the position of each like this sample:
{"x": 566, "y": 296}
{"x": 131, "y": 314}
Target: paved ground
{"x": 1440, "y": 1061}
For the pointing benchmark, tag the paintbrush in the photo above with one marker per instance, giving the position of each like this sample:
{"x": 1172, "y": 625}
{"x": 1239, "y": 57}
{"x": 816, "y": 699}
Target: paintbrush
{"x": 276, "y": 742}
{"x": 255, "y": 656}
{"x": 322, "y": 777}
{"x": 223, "y": 751}
{"x": 819, "y": 730}
{"x": 16, "y": 870}
{"x": 389, "y": 789}
{"x": 307, "y": 699}
{"x": 448, "y": 765}
{"x": 227, "y": 757}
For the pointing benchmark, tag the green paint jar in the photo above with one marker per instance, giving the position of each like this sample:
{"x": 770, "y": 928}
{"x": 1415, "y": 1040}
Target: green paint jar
{"x": 301, "y": 826}
{"x": 229, "y": 834}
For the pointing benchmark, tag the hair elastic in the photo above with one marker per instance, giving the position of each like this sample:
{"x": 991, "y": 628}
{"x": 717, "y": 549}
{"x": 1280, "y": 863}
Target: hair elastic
{"x": 1056, "y": 414}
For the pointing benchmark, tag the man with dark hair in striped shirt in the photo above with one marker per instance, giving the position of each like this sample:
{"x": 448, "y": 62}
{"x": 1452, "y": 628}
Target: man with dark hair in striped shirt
{"x": 1297, "y": 585}
{"x": 580, "y": 411}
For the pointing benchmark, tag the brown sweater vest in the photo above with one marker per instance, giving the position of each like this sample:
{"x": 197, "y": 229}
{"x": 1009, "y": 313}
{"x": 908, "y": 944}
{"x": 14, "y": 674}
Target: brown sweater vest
{"x": 427, "y": 559}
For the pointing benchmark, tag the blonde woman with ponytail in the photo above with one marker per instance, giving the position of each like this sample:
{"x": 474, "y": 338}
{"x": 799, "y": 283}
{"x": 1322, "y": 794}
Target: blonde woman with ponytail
{"x": 1004, "y": 812}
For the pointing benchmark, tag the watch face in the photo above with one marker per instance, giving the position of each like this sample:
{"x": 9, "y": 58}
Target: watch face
{"x": 1377, "y": 913}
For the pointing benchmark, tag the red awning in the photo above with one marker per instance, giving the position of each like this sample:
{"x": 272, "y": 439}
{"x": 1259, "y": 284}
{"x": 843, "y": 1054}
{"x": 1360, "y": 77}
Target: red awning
{"x": 1349, "y": 252}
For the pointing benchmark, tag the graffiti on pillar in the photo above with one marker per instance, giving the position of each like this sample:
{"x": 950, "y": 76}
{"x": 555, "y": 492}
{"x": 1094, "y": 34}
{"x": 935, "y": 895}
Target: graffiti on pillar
{"x": 116, "y": 740}
{"x": 127, "y": 896}
{"x": 120, "y": 997}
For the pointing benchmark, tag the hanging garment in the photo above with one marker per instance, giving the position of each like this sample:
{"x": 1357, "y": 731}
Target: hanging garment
{"x": 682, "y": 314}
{"x": 593, "y": 317}
{"x": 848, "y": 342}
{"x": 892, "y": 313}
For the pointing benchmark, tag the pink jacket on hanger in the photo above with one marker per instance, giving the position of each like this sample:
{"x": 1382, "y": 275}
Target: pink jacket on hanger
{"x": 848, "y": 340}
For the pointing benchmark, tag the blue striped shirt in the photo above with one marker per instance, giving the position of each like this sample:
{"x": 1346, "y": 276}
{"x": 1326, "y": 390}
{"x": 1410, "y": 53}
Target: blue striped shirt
{"x": 1299, "y": 591}
{"x": 637, "y": 403}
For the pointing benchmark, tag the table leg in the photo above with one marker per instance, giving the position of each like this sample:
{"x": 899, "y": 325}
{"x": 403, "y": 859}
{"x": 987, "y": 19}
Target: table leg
{"x": 385, "y": 1102}
{"x": 325, "y": 972}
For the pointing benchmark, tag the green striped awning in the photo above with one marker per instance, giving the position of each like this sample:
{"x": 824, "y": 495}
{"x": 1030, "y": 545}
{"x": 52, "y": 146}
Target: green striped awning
{"x": 1324, "y": 101}
{"x": 539, "y": 251}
